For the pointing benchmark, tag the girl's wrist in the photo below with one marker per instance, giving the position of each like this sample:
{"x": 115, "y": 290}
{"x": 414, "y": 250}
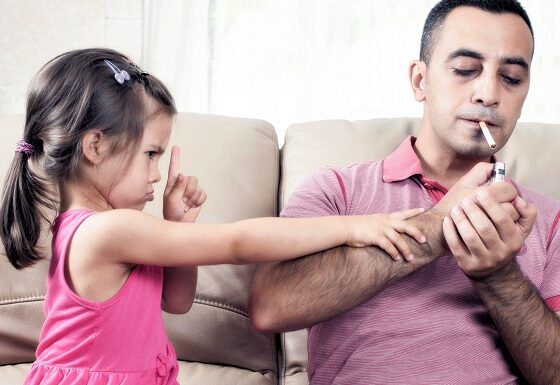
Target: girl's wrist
{"x": 346, "y": 225}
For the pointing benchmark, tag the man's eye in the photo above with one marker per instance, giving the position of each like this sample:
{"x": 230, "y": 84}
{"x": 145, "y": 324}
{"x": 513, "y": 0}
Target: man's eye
{"x": 511, "y": 81}
{"x": 464, "y": 72}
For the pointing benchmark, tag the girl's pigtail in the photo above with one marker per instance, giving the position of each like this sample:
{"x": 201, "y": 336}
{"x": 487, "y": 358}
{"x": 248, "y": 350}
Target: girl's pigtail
{"x": 24, "y": 199}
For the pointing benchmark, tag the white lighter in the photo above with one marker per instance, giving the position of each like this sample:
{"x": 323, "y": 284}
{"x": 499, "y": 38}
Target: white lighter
{"x": 498, "y": 172}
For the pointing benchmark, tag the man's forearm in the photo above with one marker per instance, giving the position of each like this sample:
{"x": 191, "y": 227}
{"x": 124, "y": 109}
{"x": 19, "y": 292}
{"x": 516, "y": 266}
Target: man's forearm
{"x": 299, "y": 293}
{"x": 530, "y": 330}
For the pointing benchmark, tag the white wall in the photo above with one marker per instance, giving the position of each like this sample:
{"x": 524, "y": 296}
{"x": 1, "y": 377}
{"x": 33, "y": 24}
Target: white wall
{"x": 34, "y": 31}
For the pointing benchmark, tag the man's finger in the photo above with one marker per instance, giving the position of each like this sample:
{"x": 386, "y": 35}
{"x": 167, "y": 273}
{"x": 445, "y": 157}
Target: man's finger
{"x": 454, "y": 241}
{"x": 527, "y": 215}
{"x": 501, "y": 192}
{"x": 478, "y": 175}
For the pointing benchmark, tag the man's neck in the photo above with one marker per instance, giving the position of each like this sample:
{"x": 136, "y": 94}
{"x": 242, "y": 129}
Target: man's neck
{"x": 444, "y": 166}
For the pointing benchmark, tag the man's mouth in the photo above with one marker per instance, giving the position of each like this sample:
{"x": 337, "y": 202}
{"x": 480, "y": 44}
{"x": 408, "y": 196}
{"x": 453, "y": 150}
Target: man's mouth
{"x": 476, "y": 122}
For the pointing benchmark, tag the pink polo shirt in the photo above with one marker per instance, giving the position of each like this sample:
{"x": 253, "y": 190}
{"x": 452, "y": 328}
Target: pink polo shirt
{"x": 431, "y": 326}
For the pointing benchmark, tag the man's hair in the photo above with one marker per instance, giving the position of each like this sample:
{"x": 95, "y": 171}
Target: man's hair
{"x": 439, "y": 13}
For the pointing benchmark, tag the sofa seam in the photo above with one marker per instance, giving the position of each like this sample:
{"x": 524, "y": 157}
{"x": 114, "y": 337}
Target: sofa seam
{"x": 209, "y": 302}
{"x": 280, "y": 188}
{"x": 202, "y": 301}
{"x": 278, "y": 175}
{"x": 13, "y": 301}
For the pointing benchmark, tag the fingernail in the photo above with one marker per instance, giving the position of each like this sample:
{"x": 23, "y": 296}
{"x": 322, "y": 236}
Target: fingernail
{"x": 180, "y": 177}
{"x": 522, "y": 202}
{"x": 423, "y": 239}
{"x": 456, "y": 211}
{"x": 410, "y": 258}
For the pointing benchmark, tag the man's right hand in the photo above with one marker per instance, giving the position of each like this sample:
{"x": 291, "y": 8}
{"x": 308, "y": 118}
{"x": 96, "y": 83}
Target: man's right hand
{"x": 473, "y": 182}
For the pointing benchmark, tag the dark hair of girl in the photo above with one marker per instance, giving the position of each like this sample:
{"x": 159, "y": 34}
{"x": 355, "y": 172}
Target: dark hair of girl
{"x": 71, "y": 94}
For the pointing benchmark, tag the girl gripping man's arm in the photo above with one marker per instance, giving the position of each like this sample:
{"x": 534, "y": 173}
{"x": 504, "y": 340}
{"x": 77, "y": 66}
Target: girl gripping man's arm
{"x": 96, "y": 126}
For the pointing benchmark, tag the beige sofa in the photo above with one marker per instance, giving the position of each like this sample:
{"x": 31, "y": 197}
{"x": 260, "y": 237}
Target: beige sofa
{"x": 245, "y": 174}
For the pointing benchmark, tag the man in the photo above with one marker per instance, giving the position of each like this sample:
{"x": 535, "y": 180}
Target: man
{"x": 477, "y": 302}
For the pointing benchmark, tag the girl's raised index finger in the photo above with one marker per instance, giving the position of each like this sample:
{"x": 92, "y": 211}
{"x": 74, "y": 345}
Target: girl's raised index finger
{"x": 174, "y": 165}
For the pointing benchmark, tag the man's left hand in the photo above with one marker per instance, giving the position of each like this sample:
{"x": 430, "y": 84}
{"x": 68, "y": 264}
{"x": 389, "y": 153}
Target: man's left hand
{"x": 482, "y": 235}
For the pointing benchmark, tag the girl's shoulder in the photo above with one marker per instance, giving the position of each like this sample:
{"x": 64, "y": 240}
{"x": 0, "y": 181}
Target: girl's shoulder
{"x": 99, "y": 221}
{"x": 105, "y": 234}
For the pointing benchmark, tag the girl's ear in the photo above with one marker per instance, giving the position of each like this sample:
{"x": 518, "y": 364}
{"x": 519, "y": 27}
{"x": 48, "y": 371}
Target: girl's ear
{"x": 94, "y": 146}
{"x": 417, "y": 77}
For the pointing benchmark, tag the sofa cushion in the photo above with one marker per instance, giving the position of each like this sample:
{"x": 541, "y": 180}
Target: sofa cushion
{"x": 236, "y": 161}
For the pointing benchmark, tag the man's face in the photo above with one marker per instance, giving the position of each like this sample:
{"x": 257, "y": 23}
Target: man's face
{"x": 478, "y": 71}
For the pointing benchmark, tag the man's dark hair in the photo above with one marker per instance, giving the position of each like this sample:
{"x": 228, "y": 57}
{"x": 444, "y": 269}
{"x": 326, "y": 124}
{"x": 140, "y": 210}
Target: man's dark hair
{"x": 439, "y": 13}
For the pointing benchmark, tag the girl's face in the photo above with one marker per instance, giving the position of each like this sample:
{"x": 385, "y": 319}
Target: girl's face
{"x": 132, "y": 188}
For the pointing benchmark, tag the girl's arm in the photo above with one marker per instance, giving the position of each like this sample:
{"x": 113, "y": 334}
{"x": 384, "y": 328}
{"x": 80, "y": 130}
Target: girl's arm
{"x": 133, "y": 237}
{"x": 182, "y": 201}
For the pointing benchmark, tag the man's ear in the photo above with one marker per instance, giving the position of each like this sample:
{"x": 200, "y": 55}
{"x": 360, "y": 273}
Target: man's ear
{"x": 417, "y": 77}
{"x": 94, "y": 146}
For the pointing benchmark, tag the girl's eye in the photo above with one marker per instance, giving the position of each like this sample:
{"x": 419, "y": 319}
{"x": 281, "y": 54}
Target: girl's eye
{"x": 464, "y": 72}
{"x": 151, "y": 154}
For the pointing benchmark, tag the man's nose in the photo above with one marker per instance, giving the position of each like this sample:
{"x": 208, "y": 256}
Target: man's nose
{"x": 487, "y": 91}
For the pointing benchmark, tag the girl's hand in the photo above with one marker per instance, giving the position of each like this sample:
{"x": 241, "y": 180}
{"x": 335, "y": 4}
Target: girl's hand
{"x": 182, "y": 198}
{"x": 384, "y": 230}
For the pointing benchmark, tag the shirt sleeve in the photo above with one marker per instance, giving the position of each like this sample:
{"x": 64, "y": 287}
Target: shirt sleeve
{"x": 550, "y": 289}
{"x": 321, "y": 194}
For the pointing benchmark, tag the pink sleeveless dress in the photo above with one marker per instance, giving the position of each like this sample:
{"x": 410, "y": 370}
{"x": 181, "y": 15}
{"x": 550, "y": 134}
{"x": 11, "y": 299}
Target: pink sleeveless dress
{"x": 118, "y": 341}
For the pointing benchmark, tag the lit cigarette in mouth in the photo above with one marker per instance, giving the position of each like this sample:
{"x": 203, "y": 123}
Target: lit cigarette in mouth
{"x": 487, "y": 134}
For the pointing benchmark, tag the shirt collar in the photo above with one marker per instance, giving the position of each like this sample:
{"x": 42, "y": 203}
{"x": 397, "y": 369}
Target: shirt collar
{"x": 403, "y": 163}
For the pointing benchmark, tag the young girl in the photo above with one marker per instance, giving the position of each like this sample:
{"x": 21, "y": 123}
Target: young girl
{"x": 96, "y": 127}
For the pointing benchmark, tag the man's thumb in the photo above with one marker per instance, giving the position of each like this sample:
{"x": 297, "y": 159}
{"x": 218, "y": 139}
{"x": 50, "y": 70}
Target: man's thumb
{"x": 478, "y": 175}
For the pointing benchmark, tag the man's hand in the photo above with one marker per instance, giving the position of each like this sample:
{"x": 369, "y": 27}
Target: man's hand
{"x": 482, "y": 235}
{"x": 182, "y": 198}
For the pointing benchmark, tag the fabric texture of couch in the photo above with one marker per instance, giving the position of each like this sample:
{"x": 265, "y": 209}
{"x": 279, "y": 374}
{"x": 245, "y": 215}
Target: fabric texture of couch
{"x": 246, "y": 175}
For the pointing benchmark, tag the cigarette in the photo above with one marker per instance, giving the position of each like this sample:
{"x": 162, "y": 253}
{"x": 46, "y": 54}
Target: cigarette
{"x": 487, "y": 135}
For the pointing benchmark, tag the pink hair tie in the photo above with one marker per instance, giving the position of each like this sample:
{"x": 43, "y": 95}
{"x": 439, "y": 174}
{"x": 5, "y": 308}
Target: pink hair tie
{"x": 23, "y": 146}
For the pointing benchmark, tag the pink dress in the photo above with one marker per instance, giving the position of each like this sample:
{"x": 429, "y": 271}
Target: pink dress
{"x": 118, "y": 341}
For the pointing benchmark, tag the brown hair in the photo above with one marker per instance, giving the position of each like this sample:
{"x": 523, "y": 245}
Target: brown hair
{"x": 70, "y": 95}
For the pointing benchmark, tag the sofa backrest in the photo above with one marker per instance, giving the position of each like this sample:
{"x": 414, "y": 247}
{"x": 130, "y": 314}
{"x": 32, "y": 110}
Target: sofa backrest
{"x": 528, "y": 155}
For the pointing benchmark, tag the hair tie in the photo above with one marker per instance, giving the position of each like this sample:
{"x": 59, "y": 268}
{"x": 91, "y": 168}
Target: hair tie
{"x": 23, "y": 146}
{"x": 120, "y": 75}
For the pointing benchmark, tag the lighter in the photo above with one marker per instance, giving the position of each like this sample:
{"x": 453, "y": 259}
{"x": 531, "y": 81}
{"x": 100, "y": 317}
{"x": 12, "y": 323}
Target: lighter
{"x": 498, "y": 173}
